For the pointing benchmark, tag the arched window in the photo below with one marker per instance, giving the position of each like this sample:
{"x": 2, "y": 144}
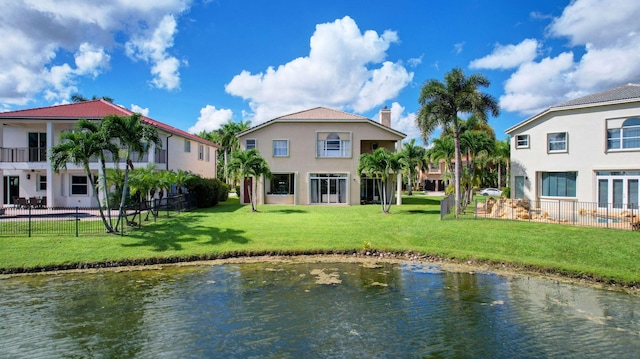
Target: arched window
{"x": 627, "y": 136}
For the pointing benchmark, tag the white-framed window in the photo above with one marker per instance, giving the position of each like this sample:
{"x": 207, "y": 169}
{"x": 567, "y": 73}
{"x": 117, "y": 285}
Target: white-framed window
{"x": 522, "y": 141}
{"x": 42, "y": 183}
{"x": 200, "y": 152}
{"x": 557, "y": 142}
{"x": 434, "y": 167}
{"x": 250, "y": 143}
{"x": 618, "y": 189}
{"x": 627, "y": 136}
{"x": 79, "y": 185}
{"x": 207, "y": 154}
{"x": 333, "y": 145}
{"x": 187, "y": 145}
{"x": 280, "y": 148}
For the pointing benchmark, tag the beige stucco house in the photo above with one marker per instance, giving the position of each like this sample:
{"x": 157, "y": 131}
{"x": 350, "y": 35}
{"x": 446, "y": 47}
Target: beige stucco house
{"x": 27, "y": 135}
{"x": 313, "y": 156}
{"x": 583, "y": 150}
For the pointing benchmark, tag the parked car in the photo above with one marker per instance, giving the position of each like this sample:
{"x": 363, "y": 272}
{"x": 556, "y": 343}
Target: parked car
{"x": 491, "y": 192}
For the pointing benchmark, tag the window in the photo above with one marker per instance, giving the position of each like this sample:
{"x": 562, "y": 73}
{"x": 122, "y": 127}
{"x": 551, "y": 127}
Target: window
{"x": 434, "y": 167}
{"x": 250, "y": 144}
{"x": 522, "y": 141}
{"x": 334, "y": 145}
{"x": 627, "y": 136}
{"x": 280, "y": 148}
{"x": 557, "y": 142}
{"x": 79, "y": 185}
{"x": 618, "y": 189}
{"x": 208, "y": 154}
{"x": 37, "y": 146}
{"x": 42, "y": 183}
{"x": 559, "y": 184}
{"x": 200, "y": 152}
{"x": 328, "y": 188}
{"x": 281, "y": 183}
{"x": 187, "y": 146}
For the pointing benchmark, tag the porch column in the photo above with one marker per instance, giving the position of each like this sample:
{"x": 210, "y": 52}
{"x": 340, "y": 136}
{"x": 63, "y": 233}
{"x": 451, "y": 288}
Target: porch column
{"x": 1, "y": 171}
{"x": 50, "y": 197}
{"x": 152, "y": 154}
{"x": 399, "y": 178}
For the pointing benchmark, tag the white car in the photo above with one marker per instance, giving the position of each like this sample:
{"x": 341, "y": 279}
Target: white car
{"x": 491, "y": 192}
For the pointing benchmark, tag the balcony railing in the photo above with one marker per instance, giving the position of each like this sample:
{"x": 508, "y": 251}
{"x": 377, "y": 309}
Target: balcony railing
{"x": 23, "y": 154}
{"x": 26, "y": 154}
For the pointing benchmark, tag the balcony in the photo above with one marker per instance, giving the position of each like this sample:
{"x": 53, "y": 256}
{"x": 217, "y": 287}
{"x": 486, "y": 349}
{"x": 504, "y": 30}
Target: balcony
{"x": 23, "y": 154}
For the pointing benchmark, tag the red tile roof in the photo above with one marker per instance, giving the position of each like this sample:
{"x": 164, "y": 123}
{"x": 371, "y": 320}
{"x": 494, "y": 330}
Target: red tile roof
{"x": 92, "y": 110}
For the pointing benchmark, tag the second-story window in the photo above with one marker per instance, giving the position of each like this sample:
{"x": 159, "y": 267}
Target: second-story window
{"x": 557, "y": 142}
{"x": 280, "y": 148}
{"x": 187, "y": 146}
{"x": 37, "y": 147}
{"x": 200, "y": 152}
{"x": 250, "y": 143}
{"x": 522, "y": 141}
{"x": 334, "y": 145}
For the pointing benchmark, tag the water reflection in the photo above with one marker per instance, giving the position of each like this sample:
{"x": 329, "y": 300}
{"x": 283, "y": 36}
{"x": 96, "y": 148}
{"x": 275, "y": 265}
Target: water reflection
{"x": 311, "y": 310}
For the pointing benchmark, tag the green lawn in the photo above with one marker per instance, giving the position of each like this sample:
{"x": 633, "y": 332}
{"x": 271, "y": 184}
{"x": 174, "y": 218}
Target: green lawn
{"x": 609, "y": 255}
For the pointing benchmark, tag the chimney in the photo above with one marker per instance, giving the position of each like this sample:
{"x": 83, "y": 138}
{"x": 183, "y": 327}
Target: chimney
{"x": 385, "y": 117}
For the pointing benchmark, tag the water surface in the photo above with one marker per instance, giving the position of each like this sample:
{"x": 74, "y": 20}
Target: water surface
{"x": 311, "y": 310}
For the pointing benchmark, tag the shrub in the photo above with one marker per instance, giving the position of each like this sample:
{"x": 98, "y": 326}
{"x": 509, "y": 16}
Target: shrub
{"x": 224, "y": 192}
{"x": 506, "y": 192}
{"x": 206, "y": 193}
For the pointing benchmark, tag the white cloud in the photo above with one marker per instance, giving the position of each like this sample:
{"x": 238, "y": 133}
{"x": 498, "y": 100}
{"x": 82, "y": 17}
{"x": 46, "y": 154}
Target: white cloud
{"x": 39, "y": 35}
{"x": 152, "y": 48}
{"x": 140, "y": 110}
{"x": 457, "y": 48}
{"x": 607, "y": 37}
{"x": 211, "y": 119}
{"x": 405, "y": 123}
{"x": 345, "y": 69}
{"x": 508, "y": 56}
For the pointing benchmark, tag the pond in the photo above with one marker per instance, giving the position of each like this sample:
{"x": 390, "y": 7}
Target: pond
{"x": 311, "y": 310}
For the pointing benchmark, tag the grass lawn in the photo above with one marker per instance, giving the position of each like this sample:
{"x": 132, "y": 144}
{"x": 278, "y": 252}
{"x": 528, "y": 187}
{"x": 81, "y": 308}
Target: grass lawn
{"x": 607, "y": 255}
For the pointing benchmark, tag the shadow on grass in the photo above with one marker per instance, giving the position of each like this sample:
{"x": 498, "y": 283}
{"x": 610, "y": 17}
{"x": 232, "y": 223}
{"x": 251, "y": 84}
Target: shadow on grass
{"x": 420, "y": 200}
{"x": 289, "y": 211}
{"x": 420, "y": 211}
{"x": 172, "y": 233}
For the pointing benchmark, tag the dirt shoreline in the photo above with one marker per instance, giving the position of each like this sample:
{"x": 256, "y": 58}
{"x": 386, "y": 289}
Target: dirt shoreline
{"x": 365, "y": 258}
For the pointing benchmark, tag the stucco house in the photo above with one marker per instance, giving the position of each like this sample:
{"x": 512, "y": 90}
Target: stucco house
{"x": 27, "y": 135}
{"x": 313, "y": 155}
{"x": 583, "y": 150}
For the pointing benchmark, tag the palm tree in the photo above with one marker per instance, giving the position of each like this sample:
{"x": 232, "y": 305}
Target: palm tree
{"x": 411, "y": 157}
{"x": 135, "y": 136}
{"x": 474, "y": 144}
{"x": 443, "y": 102}
{"x": 443, "y": 149}
{"x": 225, "y": 136}
{"x": 381, "y": 165}
{"x": 78, "y": 147}
{"x": 76, "y": 97}
{"x": 249, "y": 163}
{"x": 501, "y": 154}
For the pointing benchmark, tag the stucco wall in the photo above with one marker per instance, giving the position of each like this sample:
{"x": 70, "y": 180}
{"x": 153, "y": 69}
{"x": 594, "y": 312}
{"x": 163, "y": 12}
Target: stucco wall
{"x": 587, "y": 148}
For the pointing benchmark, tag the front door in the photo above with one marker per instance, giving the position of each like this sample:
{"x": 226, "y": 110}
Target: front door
{"x": 248, "y": 186}
{"x": 11, "y": 188}
{"x": 519, "y": 189}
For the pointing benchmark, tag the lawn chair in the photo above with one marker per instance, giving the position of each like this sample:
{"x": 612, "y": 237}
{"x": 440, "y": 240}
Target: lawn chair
{"x": 22, "y": 202}
{"x": 33, "y": 202}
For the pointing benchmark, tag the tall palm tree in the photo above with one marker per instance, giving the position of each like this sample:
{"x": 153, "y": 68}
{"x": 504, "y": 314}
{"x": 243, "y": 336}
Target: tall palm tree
{"x": 443, "y": 149}
{"x": 225, "y": 136}
{"x": 475, "y": 144}
{"x": 135, "y": 136}
{"x": 411, "y": 157}
{"x": 78, "y": 147}
{"x": 381, "y": 165}
{"x": 443, "y": 102}
{"x": 501, "y": 154}
{"x": 249, "y": 163}
{"x": 76, "y": 97}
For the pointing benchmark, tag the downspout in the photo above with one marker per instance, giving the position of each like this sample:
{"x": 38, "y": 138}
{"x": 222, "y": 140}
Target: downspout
{"x": 170, "y": 135}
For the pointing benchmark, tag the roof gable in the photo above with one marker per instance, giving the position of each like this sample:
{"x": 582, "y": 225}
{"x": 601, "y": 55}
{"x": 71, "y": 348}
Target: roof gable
{"x": 622, "y": 94}
{"x": 321, "y": 114}
{"x": 92, "y": 110}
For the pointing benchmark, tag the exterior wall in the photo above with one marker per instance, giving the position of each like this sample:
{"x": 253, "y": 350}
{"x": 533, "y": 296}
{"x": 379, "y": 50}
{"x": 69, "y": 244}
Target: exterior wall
{"x": 302, "y": 158}
{"x": 189, "y": 161}
{"x": 587, "y": 153}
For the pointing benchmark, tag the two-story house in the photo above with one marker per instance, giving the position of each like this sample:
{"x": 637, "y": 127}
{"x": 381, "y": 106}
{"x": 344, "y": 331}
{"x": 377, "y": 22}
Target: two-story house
{"x": 314, "y": 154}
{"x": 583, "y": 150}
{"x": 27, "y": 135}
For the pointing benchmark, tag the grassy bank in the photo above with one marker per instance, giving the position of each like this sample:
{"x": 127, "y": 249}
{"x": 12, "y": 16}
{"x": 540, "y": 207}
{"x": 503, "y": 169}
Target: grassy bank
{"x": 601, "y": 254}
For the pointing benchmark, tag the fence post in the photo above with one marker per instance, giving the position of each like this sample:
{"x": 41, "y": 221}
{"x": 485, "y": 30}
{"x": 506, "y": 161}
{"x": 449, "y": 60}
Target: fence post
{"x": 77, "y": 221}
{"x": 29, "y": 221}
{"x": 559, "y": 209}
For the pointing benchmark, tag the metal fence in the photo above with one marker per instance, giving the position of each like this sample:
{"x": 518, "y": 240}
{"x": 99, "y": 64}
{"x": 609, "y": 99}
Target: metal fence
{"x": 76, "y": 221}
{"x": 591, "y": 214}
{"x": 446, "y": 204}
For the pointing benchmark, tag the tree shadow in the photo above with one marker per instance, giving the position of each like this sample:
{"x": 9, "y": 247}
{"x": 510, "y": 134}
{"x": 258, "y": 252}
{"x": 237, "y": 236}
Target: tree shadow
{"x": 421, "y": 200}
{"x": 172, "y": 233}
{"x": 288, "y": 211}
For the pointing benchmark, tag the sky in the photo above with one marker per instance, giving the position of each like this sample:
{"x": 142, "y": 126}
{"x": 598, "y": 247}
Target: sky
{"x": 195, "y": 64}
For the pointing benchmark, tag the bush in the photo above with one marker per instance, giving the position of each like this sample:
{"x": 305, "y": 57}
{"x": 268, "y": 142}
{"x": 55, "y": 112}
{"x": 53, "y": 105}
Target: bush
{"x": 506, "y": 192}
{"x": 223, "y": 196}
{"x": 206, "y": 193}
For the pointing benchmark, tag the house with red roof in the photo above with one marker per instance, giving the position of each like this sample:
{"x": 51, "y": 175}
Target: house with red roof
{"x": 27, "y": 135}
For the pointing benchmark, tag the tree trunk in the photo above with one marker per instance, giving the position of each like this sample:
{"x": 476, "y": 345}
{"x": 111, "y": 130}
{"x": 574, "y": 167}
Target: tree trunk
{"x": 226, "y": 175}
{"x": 106, "y": 193}
{"x": 95, "y": 193}
{"x": 499, "y": 175}
{"x": 458, "y": 164}
{"x": 409, "y": 189}
{"x": 124, "y": 191}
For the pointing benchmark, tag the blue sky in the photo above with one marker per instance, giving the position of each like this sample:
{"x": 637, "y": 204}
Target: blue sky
{"x": 196, "y": 64}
